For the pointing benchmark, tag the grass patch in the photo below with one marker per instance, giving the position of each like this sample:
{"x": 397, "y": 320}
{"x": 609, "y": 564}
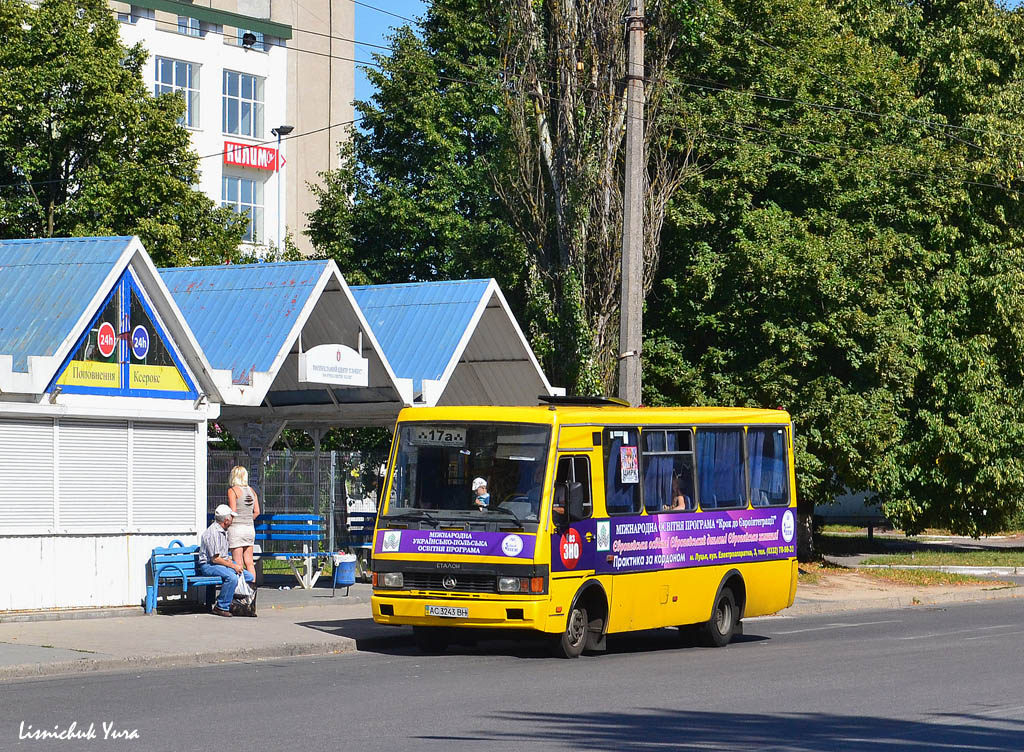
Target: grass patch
{"x": 987, "y": 558}
{"x": 925, "y": 577}
{"x": 826, "y": 529}
{"x": 851, "y": 545}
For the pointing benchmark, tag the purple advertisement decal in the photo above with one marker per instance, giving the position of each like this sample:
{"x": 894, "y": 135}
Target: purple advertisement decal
{"x": 668, "y": 541}
{"x": 455, "y": 542}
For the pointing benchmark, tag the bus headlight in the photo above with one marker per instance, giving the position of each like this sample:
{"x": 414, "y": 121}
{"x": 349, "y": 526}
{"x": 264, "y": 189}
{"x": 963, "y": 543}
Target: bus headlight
{"x": 508, "y": 584}
{"x": 520, "y": 584}
{"x": 393, "y": 580}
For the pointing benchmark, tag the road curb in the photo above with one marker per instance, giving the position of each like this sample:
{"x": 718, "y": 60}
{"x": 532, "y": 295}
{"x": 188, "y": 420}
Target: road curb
{"x": 89, "y": 665}
{"x": 977, "y": 571}
{"x": 810, "y": 607}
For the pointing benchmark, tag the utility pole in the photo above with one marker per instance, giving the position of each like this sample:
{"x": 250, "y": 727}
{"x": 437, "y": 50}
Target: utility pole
{"x": 631, "y": 307}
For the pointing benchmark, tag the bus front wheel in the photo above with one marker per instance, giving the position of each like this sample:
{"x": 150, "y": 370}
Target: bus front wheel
{"x": 572, "y": 641}
{"x": 720, "y": 628}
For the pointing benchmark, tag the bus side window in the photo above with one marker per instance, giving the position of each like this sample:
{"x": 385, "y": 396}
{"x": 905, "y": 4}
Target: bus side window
{"x": 668, "y": 470}
{"x": 720, "y": 472}
{"x": 621, "y": 471}
{"x": 574, "y": 470}
{"x": 769, "y": 474}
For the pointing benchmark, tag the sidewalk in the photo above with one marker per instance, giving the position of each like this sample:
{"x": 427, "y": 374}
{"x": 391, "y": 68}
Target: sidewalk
{"x": 290, "y": 623}
{"x": 310, "y": 622}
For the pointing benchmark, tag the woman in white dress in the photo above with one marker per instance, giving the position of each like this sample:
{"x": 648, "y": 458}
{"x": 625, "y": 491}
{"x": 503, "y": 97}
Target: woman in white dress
{"x": 246, "y": 505}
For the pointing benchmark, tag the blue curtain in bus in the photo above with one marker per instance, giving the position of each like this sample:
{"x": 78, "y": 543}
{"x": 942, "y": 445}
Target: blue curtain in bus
{"x": 619, "y": 496}
{"x": 720, "y": 468}
{"x": 657, "y": 483}
{"x": 767, "y": 452}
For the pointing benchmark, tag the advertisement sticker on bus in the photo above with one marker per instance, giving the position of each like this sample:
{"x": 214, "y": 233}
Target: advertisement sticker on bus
{"x": 656, "y": 542}
{"x": 457, "y": 542}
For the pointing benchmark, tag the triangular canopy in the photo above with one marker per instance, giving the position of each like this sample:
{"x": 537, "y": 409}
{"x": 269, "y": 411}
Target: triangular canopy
{"x": 256, "y": 320}
{"x": 53, "y": 293}
{"x": 457, "y": 341}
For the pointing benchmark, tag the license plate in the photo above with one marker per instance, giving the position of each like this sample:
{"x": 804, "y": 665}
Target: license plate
{"x": 449, "y": 612}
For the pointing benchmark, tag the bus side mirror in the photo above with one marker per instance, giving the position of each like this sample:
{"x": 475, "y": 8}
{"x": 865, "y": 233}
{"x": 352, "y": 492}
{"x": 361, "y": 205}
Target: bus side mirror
{"x": 578, "y": 508}
{"x": 558, "y": 504}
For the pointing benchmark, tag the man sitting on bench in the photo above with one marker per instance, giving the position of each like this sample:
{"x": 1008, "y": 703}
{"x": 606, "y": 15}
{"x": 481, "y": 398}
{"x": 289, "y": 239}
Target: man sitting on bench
{"x": 214, "y": 560}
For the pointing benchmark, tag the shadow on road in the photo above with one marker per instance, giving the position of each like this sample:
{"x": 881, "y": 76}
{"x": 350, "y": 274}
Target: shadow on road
{"x": 371, "y": 637}
{"x": 794, "y": 732}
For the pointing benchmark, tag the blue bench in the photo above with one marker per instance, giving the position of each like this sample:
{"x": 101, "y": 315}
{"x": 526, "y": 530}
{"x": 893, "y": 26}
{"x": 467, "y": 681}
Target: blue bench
{"x": 358, "y": 539}
{"x": 175, "y": 565}
{"x": 304, "y": 531}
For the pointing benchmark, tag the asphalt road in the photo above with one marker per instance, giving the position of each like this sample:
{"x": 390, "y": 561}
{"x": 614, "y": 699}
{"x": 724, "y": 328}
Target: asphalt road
{"x": 915, "y": 679}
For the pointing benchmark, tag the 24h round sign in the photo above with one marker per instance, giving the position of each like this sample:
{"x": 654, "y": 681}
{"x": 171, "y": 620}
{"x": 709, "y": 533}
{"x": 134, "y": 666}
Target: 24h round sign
{"x": 140, "y": 342}
{"x": 106, "y": 339}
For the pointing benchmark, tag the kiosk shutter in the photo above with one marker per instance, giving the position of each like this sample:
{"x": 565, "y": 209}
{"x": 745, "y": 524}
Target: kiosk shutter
{"x": 93, "y": 475}
{"x": 26, "y": 474}
{"x": 164, "y": 476}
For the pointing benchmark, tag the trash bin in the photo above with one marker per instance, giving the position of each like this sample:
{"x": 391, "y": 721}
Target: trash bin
{"x": 344, "y": 571}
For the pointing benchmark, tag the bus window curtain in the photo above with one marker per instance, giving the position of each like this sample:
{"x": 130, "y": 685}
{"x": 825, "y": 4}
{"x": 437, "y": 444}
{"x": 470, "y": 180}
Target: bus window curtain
{"x": 657, "y": 483}
{"x": 720, "y": 468}
{"x": 767, "y": 450}
{"x": 619, "y": 496}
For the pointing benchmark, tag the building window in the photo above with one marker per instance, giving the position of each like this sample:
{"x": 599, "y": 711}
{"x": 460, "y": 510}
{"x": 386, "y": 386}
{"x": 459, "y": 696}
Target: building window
{"x": 243, "y": 104}
{"x": 260, "y": 43}
{"x": 246, "y": 197}
{"x": 134, "y": 14}
{"x": 177, "y": 75}
{"x": 190, "y": 27}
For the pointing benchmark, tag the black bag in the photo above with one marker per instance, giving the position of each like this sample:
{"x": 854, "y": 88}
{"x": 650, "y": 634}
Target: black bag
{"x": 244, "y": 605}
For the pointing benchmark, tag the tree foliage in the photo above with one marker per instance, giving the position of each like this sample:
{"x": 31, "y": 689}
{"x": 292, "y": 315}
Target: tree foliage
{"x": 86, "y": 150}
{"x": 840, "y": 191}
{"x": 853, "y": 252}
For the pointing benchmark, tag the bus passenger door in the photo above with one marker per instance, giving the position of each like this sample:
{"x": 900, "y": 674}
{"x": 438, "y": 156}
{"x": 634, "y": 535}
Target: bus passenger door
{"x": 572, "y": 542}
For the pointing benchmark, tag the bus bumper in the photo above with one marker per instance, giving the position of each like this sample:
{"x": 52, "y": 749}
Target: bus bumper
{"x": 411, "y": 610}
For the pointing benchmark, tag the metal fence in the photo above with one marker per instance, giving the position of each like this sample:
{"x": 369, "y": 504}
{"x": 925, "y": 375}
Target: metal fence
{"x": 291, "y": 483}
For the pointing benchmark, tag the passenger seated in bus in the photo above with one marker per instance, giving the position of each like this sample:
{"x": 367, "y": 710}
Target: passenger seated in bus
{"x": 679, "y": 499}
{"x": 481, "y": 499}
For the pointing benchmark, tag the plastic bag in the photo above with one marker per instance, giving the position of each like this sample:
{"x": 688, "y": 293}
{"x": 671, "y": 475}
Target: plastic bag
{"x": 244, "y": 602}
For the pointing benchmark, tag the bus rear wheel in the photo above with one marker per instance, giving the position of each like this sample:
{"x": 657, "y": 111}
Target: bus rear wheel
{"x": 572, "y": 641}
{"x": 430, "y": 640}
{"x": 720, "y": 628}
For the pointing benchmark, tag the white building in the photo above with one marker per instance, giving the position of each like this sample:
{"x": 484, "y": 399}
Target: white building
{"x": 246, "y": 67}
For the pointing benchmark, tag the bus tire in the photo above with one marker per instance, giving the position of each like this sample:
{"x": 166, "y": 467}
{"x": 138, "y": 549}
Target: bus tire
{"x": 720, "y": 628}
{"x": 430, "y": 640}
{"x": 572, "y": 641}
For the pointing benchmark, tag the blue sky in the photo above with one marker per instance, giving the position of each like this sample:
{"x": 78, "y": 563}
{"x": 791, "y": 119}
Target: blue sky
{"x": 372, "y": 26}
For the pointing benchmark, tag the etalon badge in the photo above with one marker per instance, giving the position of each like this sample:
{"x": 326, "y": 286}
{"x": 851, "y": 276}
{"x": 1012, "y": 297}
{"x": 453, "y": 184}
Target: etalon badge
{"x": 449, "y": 583}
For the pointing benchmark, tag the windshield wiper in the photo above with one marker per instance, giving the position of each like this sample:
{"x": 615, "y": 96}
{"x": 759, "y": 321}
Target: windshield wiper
{"x": 510, "y": 513}
{"x": 422, "y": 516}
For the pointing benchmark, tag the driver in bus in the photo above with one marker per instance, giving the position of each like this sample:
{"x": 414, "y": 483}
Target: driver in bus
{"x": 481, "y": 498}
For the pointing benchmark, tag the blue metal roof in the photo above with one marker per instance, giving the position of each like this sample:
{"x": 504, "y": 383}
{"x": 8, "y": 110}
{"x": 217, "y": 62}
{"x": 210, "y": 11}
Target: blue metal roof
{"x": 419, "y": 324}
{"x": 45, "y": 286}
{"x": 242, "y": 314}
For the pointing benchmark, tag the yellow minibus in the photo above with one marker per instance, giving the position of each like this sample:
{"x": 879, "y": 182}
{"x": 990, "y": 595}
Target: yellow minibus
{"x": 584, "y": 517}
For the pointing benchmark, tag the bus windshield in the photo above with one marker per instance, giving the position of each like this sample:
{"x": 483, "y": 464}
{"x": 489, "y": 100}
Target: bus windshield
{"x": 454, "y": 470}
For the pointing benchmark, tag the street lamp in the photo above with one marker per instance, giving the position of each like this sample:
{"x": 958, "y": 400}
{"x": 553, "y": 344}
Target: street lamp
{"x": 281, "y": 130}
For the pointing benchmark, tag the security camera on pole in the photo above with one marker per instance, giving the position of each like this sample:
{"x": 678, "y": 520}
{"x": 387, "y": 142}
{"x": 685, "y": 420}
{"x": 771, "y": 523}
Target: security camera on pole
{"x": 281, "y": 130}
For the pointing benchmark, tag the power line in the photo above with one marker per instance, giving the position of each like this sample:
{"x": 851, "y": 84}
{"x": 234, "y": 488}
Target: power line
{"x": 168, "y": 163}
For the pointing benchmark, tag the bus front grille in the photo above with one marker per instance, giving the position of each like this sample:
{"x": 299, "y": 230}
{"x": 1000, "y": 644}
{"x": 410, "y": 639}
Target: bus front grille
{"x": 464, "y": 583}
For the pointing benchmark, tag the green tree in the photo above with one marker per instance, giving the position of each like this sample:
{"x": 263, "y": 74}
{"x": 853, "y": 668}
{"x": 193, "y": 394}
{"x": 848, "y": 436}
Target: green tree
{"x": 851, "y": 252}
{"x": 86, "y": 150}
{"x": 493, "y": 147}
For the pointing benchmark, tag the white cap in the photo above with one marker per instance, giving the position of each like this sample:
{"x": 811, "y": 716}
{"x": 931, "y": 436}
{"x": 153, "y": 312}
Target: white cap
{"x": 224, "y": 511}
{"x": 477, "y": 482}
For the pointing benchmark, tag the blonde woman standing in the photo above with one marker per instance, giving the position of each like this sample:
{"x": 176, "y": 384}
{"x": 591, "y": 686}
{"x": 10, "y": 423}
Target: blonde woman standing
{"x": 246, "y": 506}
